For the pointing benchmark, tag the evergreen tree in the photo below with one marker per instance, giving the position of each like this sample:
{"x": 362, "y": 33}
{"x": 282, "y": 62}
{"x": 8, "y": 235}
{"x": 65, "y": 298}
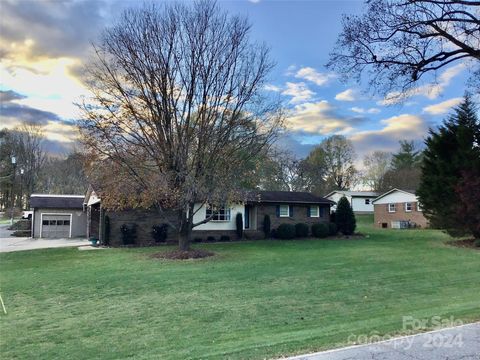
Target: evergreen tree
{"x": 452, "y": 151}
{"x": 408, "y": 157}
{"x": 344, "y": 217}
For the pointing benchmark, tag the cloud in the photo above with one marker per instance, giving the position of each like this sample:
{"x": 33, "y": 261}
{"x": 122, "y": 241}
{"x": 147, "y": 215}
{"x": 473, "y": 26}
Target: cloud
{"x": 347, "y": 95}
{"x": 298, "y": 91}
{"x": 360, "y": 110}
{"x": 289, "y": 141}
{"x": 442, "y": 107}
{"x": 13, "y": 114}
{"x": 270, "y": 87}
{"x": 430, "y": 91}
{"x": 320, "y": 118}
{"x": 52, "y": 28}
{"x": 396, "y": 128}
{"x": 310, "y": 74}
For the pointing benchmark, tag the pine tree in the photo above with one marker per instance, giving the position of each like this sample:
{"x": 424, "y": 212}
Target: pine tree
{"x": 407, "y": 157}
{"x": 452, "y": 151}
{"x": 344, "y": 217}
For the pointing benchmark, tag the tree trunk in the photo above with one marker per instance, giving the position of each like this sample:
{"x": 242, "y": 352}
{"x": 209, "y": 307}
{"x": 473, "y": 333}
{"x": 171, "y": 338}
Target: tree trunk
{"x": 185, "y": 231}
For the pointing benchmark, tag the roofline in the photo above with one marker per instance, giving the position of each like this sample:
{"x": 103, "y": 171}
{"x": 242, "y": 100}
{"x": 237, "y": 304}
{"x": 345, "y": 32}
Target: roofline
{"x": 291, "y": 202}
{"x": 58, "y": 196}
{"x": 390, "y": 191}
{"x": 352, "y": 195}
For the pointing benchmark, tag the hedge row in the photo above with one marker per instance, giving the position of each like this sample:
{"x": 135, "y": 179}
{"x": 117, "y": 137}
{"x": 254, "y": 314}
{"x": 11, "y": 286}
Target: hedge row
{"x": 301, "y": 230}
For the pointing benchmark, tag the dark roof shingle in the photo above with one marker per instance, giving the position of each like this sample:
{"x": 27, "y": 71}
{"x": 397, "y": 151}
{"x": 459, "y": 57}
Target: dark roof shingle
{"x": 286, "y": 197}
{"x": 57, "y": 201}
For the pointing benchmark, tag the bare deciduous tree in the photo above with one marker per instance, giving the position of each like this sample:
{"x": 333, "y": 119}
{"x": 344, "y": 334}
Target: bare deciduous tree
{"x": 376, "y": 165}
{"x": 177, "y": 109}
{"x": 398, "y": 42}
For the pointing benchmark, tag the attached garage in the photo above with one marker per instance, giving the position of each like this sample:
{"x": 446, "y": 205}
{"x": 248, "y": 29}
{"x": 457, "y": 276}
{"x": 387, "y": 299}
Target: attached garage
{"x": 58, "y": 216}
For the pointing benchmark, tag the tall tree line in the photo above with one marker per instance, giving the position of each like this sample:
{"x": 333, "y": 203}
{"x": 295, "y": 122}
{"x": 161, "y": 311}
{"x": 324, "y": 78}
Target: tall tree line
{"x": 26, "y": 167}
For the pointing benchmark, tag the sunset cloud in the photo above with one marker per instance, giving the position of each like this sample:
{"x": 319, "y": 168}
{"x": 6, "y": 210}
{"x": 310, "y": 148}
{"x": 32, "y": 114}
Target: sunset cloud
{"x": 347, "y": 95}
{"x": 430, "y": 91}
{"x": 310, "y": 74}
{"x": 442, "y": 107}
{"x": 299, "y": 92}
{"x": 320, "y": 118}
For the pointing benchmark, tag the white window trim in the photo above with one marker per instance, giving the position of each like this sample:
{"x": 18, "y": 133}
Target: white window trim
{"x": 280, "y": 211}
{"x": 41, "y": 222}
{"x": 367, "y": 202}
{"x": 411, "y": 207}
{"x": 318, "y": 211}
{"x": 221, "y": 221}
{"x": 419, "y": 207}
{"x": 394, "y": 208}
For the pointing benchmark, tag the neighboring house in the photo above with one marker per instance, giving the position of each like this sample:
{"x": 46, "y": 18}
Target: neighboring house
{"x": 58, "y": 216}
{"x": 397, "y": 208}
{"x": 361, "y": 201}
{"x": 281, "y": 206}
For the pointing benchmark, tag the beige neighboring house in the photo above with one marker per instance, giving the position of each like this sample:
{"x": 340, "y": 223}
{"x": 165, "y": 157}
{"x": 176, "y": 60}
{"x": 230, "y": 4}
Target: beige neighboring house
{"x": 398, "y": 209}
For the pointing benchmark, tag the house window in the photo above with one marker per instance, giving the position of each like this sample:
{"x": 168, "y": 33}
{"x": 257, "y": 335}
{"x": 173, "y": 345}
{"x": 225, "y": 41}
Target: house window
{"x": 392, "y": 208}
{"x": 284, "y": 211}
{"x": 314, "y": 212}
{"x": 419, "y": 207}
{"x": 408, "y": 207}
{"x": 220, "y": 214}
{"x": 367, "y": 201}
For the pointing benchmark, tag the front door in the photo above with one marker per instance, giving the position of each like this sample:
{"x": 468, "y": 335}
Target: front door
{"x": 247, "y": 216}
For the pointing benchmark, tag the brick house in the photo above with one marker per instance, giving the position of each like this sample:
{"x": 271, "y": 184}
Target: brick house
{"x": 398, "y": 209}
{"x": 281, "y": 206}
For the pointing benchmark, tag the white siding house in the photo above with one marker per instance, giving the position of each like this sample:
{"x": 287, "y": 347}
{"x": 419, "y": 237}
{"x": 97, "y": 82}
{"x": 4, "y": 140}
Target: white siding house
{"x": 361, "y": 201}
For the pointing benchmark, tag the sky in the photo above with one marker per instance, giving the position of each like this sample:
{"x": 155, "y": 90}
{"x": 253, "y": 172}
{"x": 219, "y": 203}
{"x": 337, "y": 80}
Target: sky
{"x": 43, "y": 45}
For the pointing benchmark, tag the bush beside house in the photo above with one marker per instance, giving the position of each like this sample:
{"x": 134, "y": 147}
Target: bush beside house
{"x": 320, "y": 230}
{"x": 345, "y": 218}
{"x": 301, "y": 230}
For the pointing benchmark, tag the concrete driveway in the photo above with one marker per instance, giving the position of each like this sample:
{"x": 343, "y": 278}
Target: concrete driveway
{"x": 462, "y": 342}
{"x": 11, "y": 243}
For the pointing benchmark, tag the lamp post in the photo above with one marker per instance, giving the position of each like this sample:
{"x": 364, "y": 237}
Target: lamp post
{"x": 21, "y": 188}
{"x": 14, "y": 164}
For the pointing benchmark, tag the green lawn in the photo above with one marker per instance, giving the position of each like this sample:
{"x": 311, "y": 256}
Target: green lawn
{"x": 253, "y": 300}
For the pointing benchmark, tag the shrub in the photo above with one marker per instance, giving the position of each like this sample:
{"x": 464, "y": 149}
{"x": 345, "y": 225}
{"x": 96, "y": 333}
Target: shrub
{"x": 320, "y": 230}
{"x": 266, "y": 225}
{"x": 332, "y": 229}
{"x": 239, "y": 225}
{"x": 344, "y": 217}
{"x": 106, "y": 238}
{"x": 225, "y": 237}
{"x": 210, "y": 238}
{"x": 333, "y": 215}
{"x": 198, "y": 240}
{"x": 301, "y": 230}
{"x": 477, "y": 242}
{"x": 285, "y": 231}
{"x": 129, "y": 233}
{"x": 273, "y": 233}
{"x": 160, "y": 232}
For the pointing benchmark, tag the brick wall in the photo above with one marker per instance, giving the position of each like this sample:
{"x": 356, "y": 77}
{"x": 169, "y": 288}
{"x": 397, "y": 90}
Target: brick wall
{"x": 300, "y": 215}
{"x": 144, "y": 220}
{"x": 381, "y": 215}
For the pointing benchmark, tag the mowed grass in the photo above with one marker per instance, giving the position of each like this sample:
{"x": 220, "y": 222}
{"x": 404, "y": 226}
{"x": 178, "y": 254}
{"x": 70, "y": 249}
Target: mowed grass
{"x": 256, "y": 300}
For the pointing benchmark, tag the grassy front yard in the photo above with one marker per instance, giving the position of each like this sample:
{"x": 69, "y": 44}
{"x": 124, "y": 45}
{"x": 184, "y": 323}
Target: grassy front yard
{"x": 253, "y": 300}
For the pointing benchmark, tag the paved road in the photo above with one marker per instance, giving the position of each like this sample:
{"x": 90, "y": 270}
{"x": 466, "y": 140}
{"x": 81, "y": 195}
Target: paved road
{"x": 459, "y": 343}
{"x": 11, "y": 243}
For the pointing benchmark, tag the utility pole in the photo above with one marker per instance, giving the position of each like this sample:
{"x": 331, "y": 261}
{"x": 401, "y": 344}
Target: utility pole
{"x": 14, "y": 164}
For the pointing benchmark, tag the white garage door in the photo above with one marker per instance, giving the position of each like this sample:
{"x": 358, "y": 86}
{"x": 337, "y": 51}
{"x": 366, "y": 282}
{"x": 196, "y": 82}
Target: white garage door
{"x": 55, "y": 226}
